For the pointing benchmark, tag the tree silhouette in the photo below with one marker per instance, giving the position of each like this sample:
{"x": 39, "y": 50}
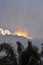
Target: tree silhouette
{"x": 20, "y": 47}
{"x": 10, "y": 58}
{"x": 27, "y": 56}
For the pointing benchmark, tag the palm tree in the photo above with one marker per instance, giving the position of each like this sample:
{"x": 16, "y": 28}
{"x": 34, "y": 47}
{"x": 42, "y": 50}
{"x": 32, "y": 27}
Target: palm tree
{"x": 20, "y": 47}
{"x": 27, "y": 56}
{"x": 10, "y": 58}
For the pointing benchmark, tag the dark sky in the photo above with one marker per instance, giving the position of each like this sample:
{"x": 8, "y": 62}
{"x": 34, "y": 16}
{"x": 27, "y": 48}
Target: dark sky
{"x": 26, "y": 14}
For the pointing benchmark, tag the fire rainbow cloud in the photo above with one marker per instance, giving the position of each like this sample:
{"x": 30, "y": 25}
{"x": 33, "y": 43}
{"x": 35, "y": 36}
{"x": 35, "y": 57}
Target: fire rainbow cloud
{"x": 19, "y": 32}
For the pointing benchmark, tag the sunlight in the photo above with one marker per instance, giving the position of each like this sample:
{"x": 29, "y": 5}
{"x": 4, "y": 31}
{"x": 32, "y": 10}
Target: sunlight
{"x": 21, "y": 32}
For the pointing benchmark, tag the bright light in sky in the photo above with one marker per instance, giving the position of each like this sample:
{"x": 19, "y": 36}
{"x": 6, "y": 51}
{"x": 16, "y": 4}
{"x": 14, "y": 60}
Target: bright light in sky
{"x": 22, "y": 32}
{"x": 19, "y": 32}
{"x": 4, "y": 32}
{"x": 7, "y": 32}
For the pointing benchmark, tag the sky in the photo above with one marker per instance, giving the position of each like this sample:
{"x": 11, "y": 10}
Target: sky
{"x": 26, "y": 14}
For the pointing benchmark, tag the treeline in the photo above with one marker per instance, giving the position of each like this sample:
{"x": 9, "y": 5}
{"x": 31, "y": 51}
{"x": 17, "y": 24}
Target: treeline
{"x": 25, "y": 56}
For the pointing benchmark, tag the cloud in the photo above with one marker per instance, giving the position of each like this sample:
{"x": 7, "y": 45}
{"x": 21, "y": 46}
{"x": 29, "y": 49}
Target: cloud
{"x": 4, "y": 32}
{"x": 26, "y": 14}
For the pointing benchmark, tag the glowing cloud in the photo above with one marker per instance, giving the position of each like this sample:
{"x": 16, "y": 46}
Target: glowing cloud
{"x": 21, "y": 32}
{"x": 4, "y": 32}
{"x": 7, "y": 32}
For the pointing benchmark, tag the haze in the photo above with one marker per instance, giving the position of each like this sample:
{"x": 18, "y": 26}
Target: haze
{"x": 26, "y": 14}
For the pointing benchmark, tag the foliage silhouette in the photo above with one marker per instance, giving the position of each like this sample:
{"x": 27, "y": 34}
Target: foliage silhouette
{"x": 10, "y": 58}
{"x": 20, "y": 47}
{"x": 27, "y": 56}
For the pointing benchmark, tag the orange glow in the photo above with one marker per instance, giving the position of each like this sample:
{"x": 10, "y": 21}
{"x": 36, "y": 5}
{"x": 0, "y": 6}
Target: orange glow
{"x": 21, "y": 32}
